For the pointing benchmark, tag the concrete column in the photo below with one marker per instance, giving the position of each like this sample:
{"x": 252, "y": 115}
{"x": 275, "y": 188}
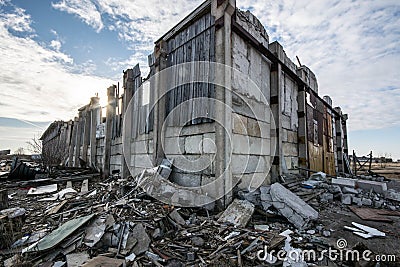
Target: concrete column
{"x": 160, "y": 53}
{"x": 68, "y": 136}
{"x": 339, "y": 140}
{"x": 94, "y": 121}
{"x": 74, "y": 125}
{"x": 128, "y": 85}
{"x": 109, "y": 124}
{"x": 344, "y": 129}
{"x": 79, "y": 131}
{"x": 276, "y": 108}
{"x": 86, "y": 134}
{"x": 302, "y": 131}
{"x": 223, "y": 11}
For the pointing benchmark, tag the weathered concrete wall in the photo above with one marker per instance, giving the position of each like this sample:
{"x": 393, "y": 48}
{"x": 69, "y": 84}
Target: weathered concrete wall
{"x": 251, "y": 119}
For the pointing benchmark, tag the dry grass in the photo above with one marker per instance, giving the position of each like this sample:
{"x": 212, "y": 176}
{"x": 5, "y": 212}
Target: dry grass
{"x": 389, "y": 170}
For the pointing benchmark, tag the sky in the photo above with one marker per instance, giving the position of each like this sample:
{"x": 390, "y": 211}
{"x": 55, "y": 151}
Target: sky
{"x": 55, "y": 55}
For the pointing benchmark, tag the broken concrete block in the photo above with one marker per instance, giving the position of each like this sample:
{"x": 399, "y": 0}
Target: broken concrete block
{"x": 265, "y": 196}
{"x": 42, "y": 189}
{"x": 357, "y": 201}
{"x": 346, "y": 199}
{"x": 326, "y": 233}
{"x": 392, "y": 195}
{"x": 77, "y": 259}
{"x": 298, "y": 212}
{"x": 326, "y": 197}
{"x": 143, "y": 240}
{"x": 104, "y": 261}
{"x": 377, "y": 187}
{"x": 197, "y": 241}
{"x": 349, "y": 190}
{"x": 378, "y": 203}
{"x": 85, "y": 186}
{"x": 366, "y": 202}
{"x": 342, "y": 182}
{"x": 175, "y": 216}
{"x": 238, "y": 213}
{"x": 335, "y": 189}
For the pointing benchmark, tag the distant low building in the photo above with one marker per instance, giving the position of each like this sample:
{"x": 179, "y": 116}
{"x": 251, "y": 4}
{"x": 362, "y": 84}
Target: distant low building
{"x": 5, "y": 152}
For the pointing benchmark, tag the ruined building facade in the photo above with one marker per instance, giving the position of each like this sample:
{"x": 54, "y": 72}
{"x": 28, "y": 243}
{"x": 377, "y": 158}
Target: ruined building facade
{"x": 282, "y": 126}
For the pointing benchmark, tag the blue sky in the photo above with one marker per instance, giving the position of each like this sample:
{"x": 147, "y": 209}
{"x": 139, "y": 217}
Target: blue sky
{"x": 56, "y": 54}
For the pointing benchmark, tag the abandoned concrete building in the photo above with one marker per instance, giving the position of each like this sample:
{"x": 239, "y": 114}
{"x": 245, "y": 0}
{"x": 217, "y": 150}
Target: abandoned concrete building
{"x": 283, "y": 127}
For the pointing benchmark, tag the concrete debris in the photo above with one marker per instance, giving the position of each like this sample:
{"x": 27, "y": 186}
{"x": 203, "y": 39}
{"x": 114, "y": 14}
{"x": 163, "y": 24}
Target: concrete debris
{"x": 346, "y": 199}
{"x": 349, "y": 190}
{"x": 143, "y": 240}
{"x": 238, "y": 213}
{"x": 121, "y": 222}
{"x": 174, "y": 215}
{"x": 326, "y": 197}
{"x": 43, "y": 189}
{"x": 77, "y": 259}
{"x": 377, "y": 187}
{"x": 393, "y": 195}
{"x": 104, "y": 261}
{"x": 292, "y": 207}
{"x": 344, "y": 182}
{"x": 366, "y": 202}
{"x": 85, "y": 186}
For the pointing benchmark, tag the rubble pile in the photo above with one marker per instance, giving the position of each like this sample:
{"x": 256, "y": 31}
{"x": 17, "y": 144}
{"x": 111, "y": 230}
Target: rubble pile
{"x": 75, "y": 218}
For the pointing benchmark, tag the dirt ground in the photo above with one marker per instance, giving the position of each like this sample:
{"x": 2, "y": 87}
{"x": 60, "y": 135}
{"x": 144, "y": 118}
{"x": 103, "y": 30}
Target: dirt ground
{"x": 389, "y": 170}
{"x": 336, "y": 218}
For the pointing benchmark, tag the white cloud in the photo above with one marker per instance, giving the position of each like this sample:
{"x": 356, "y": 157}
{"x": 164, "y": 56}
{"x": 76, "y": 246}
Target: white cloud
{"x": 84, "y": 9}
{"x": 55, "y": 44}
{"x": 18, "y": 21}
{"x": 40, "y": 83}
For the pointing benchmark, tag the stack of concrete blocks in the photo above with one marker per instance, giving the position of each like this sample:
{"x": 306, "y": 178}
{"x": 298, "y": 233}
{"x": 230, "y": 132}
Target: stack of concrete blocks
{"x": 193, "y": 150}
{"x": 141, "y": 153}
{"x": 251, "y": 118}
{"x": 116, "y": 156}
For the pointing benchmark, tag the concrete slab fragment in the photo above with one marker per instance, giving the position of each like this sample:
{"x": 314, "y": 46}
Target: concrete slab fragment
{"x": 298, "y": 212}
{"x": 377, "y": 187}
{"x": 143, "y": 240}
{"x": 238, "y": 213}
{"x": 77, "y": 259}
{"x": 393, "y": 195}
{"x": 85, "y": 186}
{"x": 344, "y": 182}
{"x": 104, "y": 261}
{"x": 40, "y": 190}
{"x": 349, "y": 190}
